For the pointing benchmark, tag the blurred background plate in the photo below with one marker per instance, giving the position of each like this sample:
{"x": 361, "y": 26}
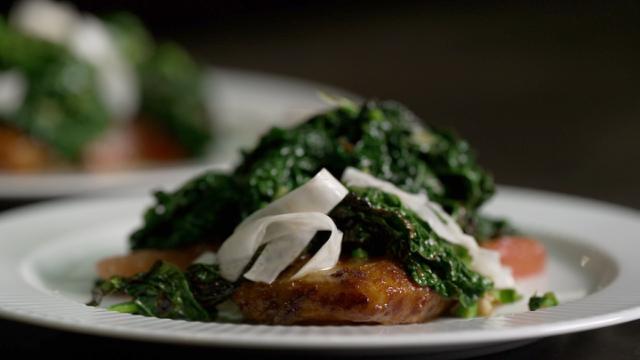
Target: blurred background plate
{"x": 242, "y": 105}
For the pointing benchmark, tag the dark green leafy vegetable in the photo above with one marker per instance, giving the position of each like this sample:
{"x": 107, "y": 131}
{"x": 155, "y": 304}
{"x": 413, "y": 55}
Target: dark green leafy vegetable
{"x": 465, "y": 184}
{"x": 208, "y": 287}
{"x": 539, "y": 302}
{"x": 381, "y": 224}
{"x": 205, "y": 208}
{"x": 376, "y": 138}
{"x": 382, "y": 138}
{"x": 162, "y": 292}
{"x": 166, "y": 292}
{"x": 62, "y": 107}
{"x": 172, "y": 95}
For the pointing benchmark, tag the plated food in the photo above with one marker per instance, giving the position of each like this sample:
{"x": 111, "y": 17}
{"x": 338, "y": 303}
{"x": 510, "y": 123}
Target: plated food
{"x": 77, "y": 91}
{"x": 49, "y": 269}
{"x": 359, "y": 215}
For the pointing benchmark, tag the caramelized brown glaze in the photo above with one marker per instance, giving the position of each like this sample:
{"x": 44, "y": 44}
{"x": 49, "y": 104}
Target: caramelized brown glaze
{"x": 373, "y": 291}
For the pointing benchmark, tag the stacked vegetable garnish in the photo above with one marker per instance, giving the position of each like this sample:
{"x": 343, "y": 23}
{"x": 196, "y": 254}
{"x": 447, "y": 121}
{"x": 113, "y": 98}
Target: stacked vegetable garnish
{"x": 80, "y": 91}
{"x": 395, "y": 240}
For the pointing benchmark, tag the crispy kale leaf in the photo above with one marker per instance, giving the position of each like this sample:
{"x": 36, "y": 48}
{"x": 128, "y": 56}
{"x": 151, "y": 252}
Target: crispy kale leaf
{"x": 162, "y": 292}
{"x": 382, "y": 138}
{"x": 62, "y": 107}
{"x": 379, "y": 223}
{"x": 166, "y": 292}
{"x": 466, "y": 185}
{"x": 204, "y": 209}
{"x": 208, "y": 287}
{"x": 376, "y": 138}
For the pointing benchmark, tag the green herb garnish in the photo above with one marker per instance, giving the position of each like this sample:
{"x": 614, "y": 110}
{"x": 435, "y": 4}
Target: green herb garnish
{"x": 466, "y": 311}
{"x": 540, "y": 302}
{"x": 206, "y": 208}
{"x": 381, "y": 224}
{"x": 162, "y": 292}
{"x": 166, "y": 292}
{"x": 505, "y": 296}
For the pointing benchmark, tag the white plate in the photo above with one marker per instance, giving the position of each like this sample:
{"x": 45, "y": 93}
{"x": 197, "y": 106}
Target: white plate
{"x": 242, "y": 105}
{"x": 47, "y": 253}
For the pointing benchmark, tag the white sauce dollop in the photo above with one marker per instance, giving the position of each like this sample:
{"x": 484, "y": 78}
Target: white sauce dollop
{"x": 484, "y": 261}
{"x": 285, "y": 227}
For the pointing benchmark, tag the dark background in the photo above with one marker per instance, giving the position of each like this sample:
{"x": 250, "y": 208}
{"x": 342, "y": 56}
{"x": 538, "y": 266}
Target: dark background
{"x": 548, "y": 93}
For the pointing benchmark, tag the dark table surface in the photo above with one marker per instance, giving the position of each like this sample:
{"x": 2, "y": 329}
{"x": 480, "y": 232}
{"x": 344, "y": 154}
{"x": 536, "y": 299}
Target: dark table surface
{"x": 547, "y": 93}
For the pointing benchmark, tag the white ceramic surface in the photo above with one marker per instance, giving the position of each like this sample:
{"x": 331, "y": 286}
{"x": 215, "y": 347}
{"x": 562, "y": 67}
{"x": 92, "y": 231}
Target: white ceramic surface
{"x": 47, "y": 254}
{"x": 242, "y": 105}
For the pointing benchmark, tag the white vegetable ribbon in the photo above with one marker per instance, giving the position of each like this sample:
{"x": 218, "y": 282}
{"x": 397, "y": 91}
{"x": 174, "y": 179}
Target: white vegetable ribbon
{"x": 285, "y": 227}
{"x": 484, "y": 261}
